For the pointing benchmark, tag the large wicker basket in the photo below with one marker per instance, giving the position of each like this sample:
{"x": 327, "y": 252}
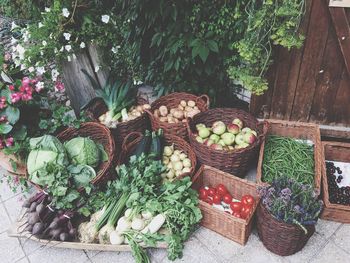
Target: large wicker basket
{"x": 236, "y": 161}
{"x": 279, "y": 237}
{"x": 131, "y": 141}
{"x": 97, "y": 107}
{"x": 297, "y": 130}
{"x": 334, "y": 151}
{"x": 172, "y": 101}
{"x": 99, "y": 134}
{"x": 236, "y": 229}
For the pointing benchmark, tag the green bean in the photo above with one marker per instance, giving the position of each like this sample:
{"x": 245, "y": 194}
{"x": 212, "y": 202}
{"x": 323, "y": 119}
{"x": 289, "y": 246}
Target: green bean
{"x": 287, "y": 157}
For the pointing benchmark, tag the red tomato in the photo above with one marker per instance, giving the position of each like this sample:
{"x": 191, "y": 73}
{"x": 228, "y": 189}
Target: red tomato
{"x": 236, "y": 214}
{"x": 248, "y": 200}
{"x": 211, "y": 191}
{"x": 209, "y": 201}
{"x": 245, "y": 211}
{"x": 217, "y": 199}
{"x": 203, "y": 194}
{"x": 227, "y": 198}
{"x": 236, "y": 206}
{"x": 221, "y": 189}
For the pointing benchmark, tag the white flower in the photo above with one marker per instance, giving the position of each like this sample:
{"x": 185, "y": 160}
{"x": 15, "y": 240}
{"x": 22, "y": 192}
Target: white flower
{"x": 40, "y": 25}
{"x": 13, "y": 26}
{"x": 82, "y": 45}
{"x": 31, "y": 69}
{"x": 23, "y": 67}
{"x": 42, "y": 53}
{"x": 68, "y": 47}
{"x": 69, "y": 58}
{"x": 128, "y": 20}
{"x": 13, "y": 41}
{"x": 20, "y": 50}
{"x": 40, "y": 70}
{"x": 50, "y": 36}
{"x": 97, "y": 68}
{"x": 47, "y": 9}
{"x": 115, "y": 49}
{"x": 55, "y": 50}
{"x": 65, "y": 12}
{"x": 61, "y": 50}
{"x": 54, "y": 74}
{"x": 105, "y": 18}
{"x": 39, "y": 86}
{"x": 26, "y": 36}
{"x": 44, "y": 43}
{"x": 67, "y": 36}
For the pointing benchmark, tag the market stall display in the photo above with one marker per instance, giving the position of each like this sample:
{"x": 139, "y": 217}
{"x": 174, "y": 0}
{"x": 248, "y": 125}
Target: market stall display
{"x": 335, "y": 181}
{"x": 170, "y": 112}
{"x": 235, "y": 161}
{"x": 300, "y": 143}
{"x": 236, "y": 228}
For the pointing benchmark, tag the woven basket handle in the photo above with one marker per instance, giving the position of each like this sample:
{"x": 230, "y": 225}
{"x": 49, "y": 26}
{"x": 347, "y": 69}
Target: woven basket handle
{"x": 129, "y": 139}
{"x": 150, "y": 114}
{"x": 198, "y": 174}
{"x": 265, "y": 127}
{"x": 205, "y": 98}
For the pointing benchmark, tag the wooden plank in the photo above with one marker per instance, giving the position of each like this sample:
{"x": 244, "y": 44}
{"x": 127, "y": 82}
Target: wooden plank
{"x": 296, "y": 59}
{"x": 341, "y": 106}
{"x": 78, "y": 87}
{"x": 312, "y": 58}
{"x": 341, "y": 25}
{"x": 102, "y": 73}
{"x": 16, "y": 231}
{"x": 327, "y": 81}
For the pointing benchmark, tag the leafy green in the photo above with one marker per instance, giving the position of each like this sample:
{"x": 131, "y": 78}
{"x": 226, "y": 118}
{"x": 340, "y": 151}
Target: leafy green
{"x": 82, "y": 174}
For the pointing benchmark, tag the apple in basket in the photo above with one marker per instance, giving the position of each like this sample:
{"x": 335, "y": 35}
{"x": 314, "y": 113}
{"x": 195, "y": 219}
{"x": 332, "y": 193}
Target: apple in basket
{"x": 249, "y": 137}
{"x": 238, "y": 122}
{"x": 239, "y": 139}
{"x": 219, "y": 127}
{"x": 233, "y": 128}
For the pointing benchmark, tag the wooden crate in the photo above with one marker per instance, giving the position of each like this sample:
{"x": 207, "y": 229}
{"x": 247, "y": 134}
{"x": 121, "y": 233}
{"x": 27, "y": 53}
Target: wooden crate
{"x": 334, "y": 151}
{"x": 236, "y": 229}
{"x": 297, "y": 130}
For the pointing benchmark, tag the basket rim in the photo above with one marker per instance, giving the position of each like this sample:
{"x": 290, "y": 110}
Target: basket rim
{"x": 325, "y": 198}
{"x": 318, "y": 153}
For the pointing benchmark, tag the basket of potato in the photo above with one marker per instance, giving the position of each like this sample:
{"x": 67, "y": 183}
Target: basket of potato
{"x": 170, "y": 112}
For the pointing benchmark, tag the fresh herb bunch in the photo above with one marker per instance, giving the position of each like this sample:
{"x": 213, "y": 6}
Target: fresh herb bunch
{"x": 292, "y": 202}
{"x": 288, "y": 157}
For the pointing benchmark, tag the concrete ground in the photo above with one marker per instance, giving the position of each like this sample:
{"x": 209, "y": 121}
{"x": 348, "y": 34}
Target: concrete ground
{"x": 330, "y": 243}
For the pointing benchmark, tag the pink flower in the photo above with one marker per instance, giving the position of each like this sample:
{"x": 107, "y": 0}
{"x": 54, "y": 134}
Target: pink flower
{"x": 39, "y": 86}
{"x": 59, "y": 86}
{"x": 3, "y": 119}
{"x": 3, "y": 102}
{"x": 9, "y": 142}
{"x": 27, "y": 96}
{"x": 25, "y": 81}
{"x": 11, "y": 87}
{"x": 15, "y": 97}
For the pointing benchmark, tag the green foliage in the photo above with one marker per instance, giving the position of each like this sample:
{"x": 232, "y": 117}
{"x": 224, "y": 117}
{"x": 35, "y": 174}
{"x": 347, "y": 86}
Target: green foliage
{"x": 23, "y": 9}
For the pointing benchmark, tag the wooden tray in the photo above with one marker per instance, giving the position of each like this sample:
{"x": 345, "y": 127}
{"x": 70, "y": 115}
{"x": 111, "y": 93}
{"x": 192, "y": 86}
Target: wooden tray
{"x": 15, "y": 231}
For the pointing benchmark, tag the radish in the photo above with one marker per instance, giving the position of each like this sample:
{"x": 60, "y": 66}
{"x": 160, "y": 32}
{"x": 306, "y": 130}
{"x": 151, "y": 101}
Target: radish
{"x": 137, "y": 224}
{"x": 156, "y": 223}
{"x": 116, "y": 238}
{"x": 38, "y": 228}
{"x": 33, "y": 218}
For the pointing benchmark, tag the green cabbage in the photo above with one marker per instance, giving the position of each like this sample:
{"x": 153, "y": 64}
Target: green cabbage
{"x": 83, "y": 151}
{"x": 45, "y": 150}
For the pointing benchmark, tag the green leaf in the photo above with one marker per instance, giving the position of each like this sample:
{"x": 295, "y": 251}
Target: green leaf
{"x": 195, "y": 51}
{"x": 7, "y": 94}
{"x": 20, "y": 133}
{"x": 213, "y": 46}
{"x": 203, "y": 53}
{"x": 6, "y": 78}
{"x": 168, "y": 65}
{"x": 5, "y": 128}
{"x": 12, "y": 114}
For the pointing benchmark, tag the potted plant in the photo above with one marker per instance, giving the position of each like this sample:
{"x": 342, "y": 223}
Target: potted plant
{"x": 287, "y": 215}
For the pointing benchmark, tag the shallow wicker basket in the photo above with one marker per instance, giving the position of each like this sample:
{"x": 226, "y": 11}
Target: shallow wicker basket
{"x": 339, "y": 152}
{"x": 236, "y": 229}
{"x": 235, "y": 161}
{"x": 279, "y": 237}
{"x": 97, "y": 107}
{"x": 99, "y": 134}
{"x": 172, "y": 101}
{"x": 131, "y": 141}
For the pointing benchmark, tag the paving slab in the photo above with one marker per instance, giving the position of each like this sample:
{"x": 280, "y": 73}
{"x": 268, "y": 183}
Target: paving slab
{"x": 57, "y": 255}
{"x": 342, "y": 237}
{"x": 23, "y": 260}
{"x": 331, "y": 253}
{"x": 5, "y": 190}
{"x": 13, "y": 207}
{"x": 4, "y": 219}
{"x": 10, "y": 249}
{"x": 112, "y": 257}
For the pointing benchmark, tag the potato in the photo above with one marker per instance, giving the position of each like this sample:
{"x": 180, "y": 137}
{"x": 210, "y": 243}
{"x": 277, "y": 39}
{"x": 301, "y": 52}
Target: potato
{"x": 156, "y": 113}
{"x": 176, "y": 120}
{"x": 180, "y": 107}
{"x": 171, "y": 119}
{"x": 146, "y": 106}
{"x": 192, "y": 113}
{"x": 183, "y": 103}
{"x": 163, "y": 111}
{"x": 172, "y": 110}
{"x": 195, "y": 108}
{"x": 139, "y": 108}
{"x": 178, "y": 114}
{"x": 188, "y": 108}
{"x": 163, "y": 119}
{"x": 191, "y": 103}
{"x": 184, "y": 120}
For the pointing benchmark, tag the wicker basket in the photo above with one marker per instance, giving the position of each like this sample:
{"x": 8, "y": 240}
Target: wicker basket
{"x": 236, "y": 162}
{"x": 97, "y": 107}
{"x": 100, "y": 134}
{"x": 334, "y": 151}
{"x": 5, "y": 163}
{"x": 131, "y": 141}
{"x": 279, "y": 237}
{"x": 172, "y": 101}
{"x": 236, "y": 229}
{"x": 297, "y": 130}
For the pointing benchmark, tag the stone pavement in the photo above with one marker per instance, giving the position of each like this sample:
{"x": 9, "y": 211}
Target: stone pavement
{"x": 330, "y": 243}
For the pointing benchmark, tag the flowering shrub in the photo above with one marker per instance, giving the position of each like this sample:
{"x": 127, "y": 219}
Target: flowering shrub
{"x": 291, "y": 202}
